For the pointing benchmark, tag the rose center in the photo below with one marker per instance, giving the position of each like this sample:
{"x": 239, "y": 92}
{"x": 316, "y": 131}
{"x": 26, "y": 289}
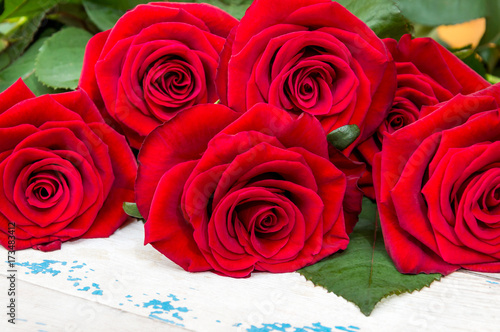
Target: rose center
{"x": 170, "y": 82}
{"x": 44, "y": 189}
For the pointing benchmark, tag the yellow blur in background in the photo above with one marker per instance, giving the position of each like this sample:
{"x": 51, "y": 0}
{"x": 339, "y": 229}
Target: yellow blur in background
{"x": 463, "y": 34}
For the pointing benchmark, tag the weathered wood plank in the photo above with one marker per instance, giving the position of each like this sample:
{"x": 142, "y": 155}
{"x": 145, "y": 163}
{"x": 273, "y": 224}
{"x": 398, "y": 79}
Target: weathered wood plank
{"x": 120, "y": 280}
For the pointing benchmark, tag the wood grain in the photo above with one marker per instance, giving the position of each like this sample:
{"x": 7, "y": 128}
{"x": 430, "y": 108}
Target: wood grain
{"x": 119, "y": 284}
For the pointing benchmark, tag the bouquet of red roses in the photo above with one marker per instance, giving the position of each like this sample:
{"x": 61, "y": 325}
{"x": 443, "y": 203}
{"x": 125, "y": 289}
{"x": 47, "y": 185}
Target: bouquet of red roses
{"x": 256, "y": 139}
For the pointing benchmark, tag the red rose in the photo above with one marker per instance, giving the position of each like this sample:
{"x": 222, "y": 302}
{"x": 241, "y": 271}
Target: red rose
{"x": 64, "y": 173}
{"x": 157, "y": 60}
{"x": 438, "y": 186}
{"x": 420, "y": 83}
{"x": 258, "y": 193}
{"x": 309, "y": 56}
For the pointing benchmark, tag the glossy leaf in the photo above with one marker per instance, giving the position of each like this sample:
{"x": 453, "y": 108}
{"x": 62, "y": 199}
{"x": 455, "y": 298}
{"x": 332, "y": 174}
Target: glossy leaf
{"x": 382, "y": 16}
{"x": 19, "y": 40}
{"x": 344, "y": 136}
{"x": 132, "y": 210}
{"x": 60, "y": 59}
{"x": 439, "y": 12}
{"x": 364, "y": 273}
{"x": 104, "y": 17}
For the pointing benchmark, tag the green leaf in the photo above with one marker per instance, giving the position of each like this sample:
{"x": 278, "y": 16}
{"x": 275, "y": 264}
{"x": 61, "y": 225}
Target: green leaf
{"x": 382, "y": 16}
{"x": 438, "y": 12}
{"x": 23, "y": 67}
{"x": 342, "y": 137}
{"x": 103, "y": 17}
{"x": 236, "y": 8}
{"x": 20, "y": 39}
{"x": 132, "y": 210}
{"x": 60, "y": 59}
{"x": 364, "y": 274}
{"x": 121, "y": 4}
{"x": 17, "y": 8}
{"x": 493, "y": 79}
{"x": 470, "y": 57}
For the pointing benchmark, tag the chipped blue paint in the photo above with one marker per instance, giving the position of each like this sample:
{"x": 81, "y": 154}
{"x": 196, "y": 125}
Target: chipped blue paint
{"x": 73, "y": 279}
{"x": 136, "y": 305}
{"x": 237, "y": 324}
{"x": 284, "y": 327}
{"x": 218, "y": 321}
{"x": 342, "y": 328}
{"x": 95, "y": 285}
{"x": 353, "y": 327}
{"x": 128, "y": 296}
{"x": 120, "y": 303}
{"x": 84, "y": 289}
{"x": 97, "y": 292}
{"x": 154, "y": 315}
{"x": 76, "y": 284}
{"x": 172, "y": 296}
{"x": 165, "y": 306}
{"x": 270, "y": 327}
{"x": 44, "y": 267}
{"x": 492, "y": 282}
{"x": 78, "y": 266}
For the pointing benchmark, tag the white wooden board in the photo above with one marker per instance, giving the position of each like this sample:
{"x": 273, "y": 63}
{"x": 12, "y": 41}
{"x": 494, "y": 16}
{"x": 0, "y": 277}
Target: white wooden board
{"x": 118, "y": 284}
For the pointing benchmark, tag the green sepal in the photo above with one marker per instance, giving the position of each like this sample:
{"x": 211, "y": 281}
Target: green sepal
{"x": 344, "y": 136}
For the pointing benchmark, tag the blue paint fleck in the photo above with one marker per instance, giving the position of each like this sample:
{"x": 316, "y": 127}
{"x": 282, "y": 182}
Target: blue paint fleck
{"x": 492, "y": 282}
{"x": 26, "y": 273}
{"x": 97, "y": 292}
{"x": 153, "y": 315}
{"x": 128, "y": 296}
{"x": 73, "y": 279}
{"x": 136, "y": 305}
{"x": 218, "y": 321}
{"x": 144, "y": 294}
{"x": 173, "y": 297}
{"x": 237, "y": 324}
{"x": 165, "y": 306}
{"x": 270, "y": 327}
{"x": 78, "y": 266}
{"x": 350, "y": 329}
{"x": 84, "y": 289}
{"x": 76, "y": 284}
{"x": 95, "y": 285}
{"x": 43, "y": 267}
{"x": 91, "y": 269}
{"x": 71, "y": 270}
{"x": 353, "y": 327}
{"x": 43, "y": 324}
{"x": 284, "y": 327}
{"x": 120, "y": 303}
{"x": 129, "y": 300}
